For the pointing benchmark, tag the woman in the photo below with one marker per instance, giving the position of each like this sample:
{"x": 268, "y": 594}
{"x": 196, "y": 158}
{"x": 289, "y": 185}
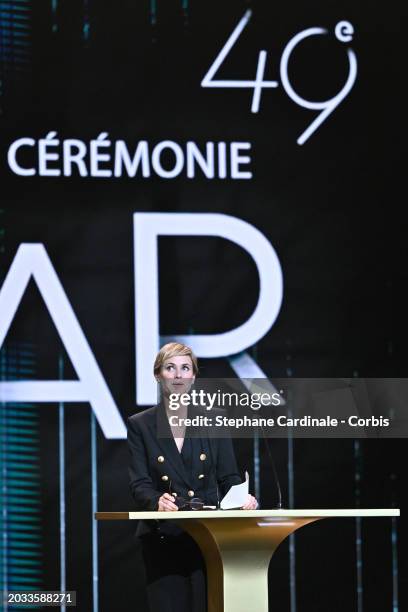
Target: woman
{"x": 172, "y": 472}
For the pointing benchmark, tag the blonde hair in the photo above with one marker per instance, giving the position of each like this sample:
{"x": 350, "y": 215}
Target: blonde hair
{"x": 174, "y": 349}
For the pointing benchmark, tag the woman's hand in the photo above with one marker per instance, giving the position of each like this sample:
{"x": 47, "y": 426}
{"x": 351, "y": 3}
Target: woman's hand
{"x": 250, "y": 504}
{"x": 166, "y": 503}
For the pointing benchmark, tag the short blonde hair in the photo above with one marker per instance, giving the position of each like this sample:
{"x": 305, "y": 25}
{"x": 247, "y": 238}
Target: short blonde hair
{"x": 174, "y": 349}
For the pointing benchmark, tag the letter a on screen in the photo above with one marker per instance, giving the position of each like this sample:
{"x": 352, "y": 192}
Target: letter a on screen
{"x": 32, "y": 260}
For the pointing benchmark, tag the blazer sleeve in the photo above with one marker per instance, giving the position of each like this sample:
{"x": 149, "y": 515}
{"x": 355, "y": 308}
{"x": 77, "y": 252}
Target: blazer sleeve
{"x": 227, "y": 470}
{"x": 141, "y": 483}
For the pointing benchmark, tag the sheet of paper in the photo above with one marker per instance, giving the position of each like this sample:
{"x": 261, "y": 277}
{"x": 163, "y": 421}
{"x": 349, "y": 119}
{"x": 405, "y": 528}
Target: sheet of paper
{"x": 236, "y": 496}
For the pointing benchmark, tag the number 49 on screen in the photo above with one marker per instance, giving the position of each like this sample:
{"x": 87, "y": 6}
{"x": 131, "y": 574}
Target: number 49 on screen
{"x": 344, "y": 33}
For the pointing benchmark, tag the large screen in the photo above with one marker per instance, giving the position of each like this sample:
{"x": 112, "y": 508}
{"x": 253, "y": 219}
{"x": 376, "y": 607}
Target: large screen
{"x": 223, "y": 173}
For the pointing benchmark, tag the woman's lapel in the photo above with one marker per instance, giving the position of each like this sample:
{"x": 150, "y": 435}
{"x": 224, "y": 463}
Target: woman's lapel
{"x": 162, "y": 433}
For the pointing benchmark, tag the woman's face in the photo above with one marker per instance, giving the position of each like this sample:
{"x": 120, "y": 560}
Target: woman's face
{"x": 176, "y": 375}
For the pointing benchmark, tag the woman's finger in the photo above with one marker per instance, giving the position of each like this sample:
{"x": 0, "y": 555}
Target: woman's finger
{"x": 250, "y": 504}
{"x": 166, "y": 503}
{"x": 171, "y": 507}
{"x": 254, "y": 503}
{"x": 167, "y": 496}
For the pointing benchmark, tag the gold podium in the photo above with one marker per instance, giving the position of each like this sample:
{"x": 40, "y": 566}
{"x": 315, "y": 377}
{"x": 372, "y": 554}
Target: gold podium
{"x": 237, "y": 546}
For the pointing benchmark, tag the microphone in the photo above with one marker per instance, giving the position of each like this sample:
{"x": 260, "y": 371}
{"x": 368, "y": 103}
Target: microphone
{"x": 274, "y": 471}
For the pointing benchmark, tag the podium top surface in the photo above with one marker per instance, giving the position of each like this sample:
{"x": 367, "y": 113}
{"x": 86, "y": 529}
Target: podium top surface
{"x": 264, "y": 514}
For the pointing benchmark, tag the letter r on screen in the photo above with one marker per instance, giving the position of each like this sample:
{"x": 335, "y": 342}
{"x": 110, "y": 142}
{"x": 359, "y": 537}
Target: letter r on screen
{"x": 147, "y": 229}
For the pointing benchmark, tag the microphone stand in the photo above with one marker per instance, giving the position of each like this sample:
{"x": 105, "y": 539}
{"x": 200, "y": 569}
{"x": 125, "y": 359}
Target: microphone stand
{"x": 275, "y": 473}
{"x": 214, "y": 470}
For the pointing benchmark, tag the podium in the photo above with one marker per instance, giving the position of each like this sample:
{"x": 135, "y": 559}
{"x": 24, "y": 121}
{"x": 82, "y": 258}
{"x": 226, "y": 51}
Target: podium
{"x": 237, "y": 546}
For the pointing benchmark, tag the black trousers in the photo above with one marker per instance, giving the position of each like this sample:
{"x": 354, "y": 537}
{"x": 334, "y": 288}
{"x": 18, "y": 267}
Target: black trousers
{"x": 175, "y": 573}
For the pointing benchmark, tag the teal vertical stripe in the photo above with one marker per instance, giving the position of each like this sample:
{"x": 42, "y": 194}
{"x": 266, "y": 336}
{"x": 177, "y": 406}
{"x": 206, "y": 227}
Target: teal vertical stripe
{"x": 15, "y": 55}
{"x": 86, "y": 28}
{"x": 20, "y": 484}
{"x": 54, "y": 22}
{"x": 153, "y": 12}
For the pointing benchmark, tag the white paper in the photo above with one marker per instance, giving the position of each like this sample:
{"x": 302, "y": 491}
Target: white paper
{"x": 236, "y": 496}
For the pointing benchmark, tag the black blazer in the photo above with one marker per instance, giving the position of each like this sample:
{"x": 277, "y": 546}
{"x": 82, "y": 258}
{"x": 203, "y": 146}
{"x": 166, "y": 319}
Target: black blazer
{"x": 157, "y": 467}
